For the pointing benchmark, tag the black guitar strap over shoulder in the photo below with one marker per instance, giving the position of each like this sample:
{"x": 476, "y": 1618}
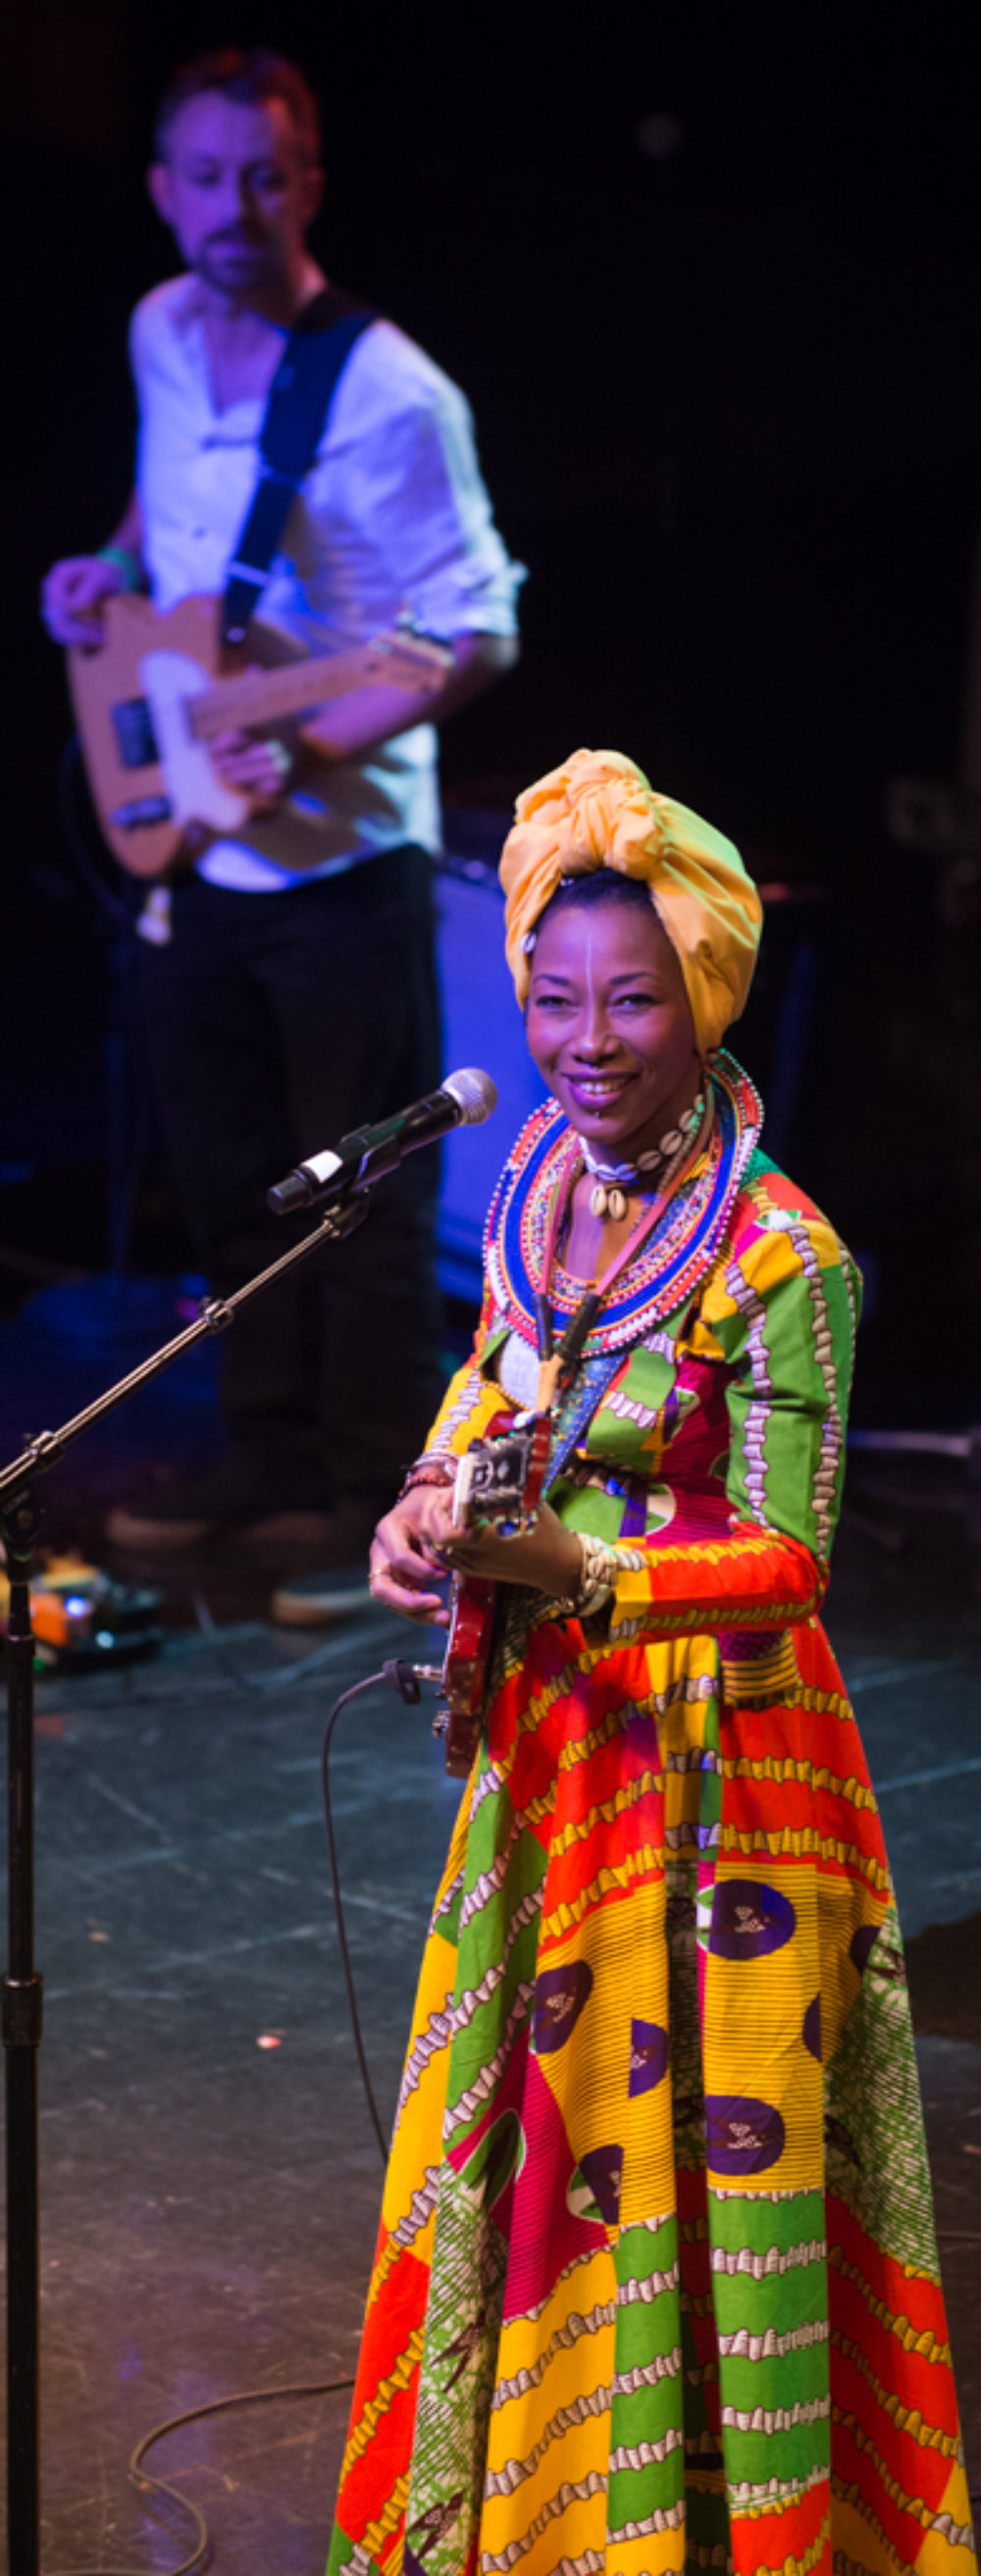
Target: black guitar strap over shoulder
{"x": 300, "y": 397}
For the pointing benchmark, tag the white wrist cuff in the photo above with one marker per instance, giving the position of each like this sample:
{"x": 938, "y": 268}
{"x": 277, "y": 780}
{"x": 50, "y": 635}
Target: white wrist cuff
{"x": 597, "y": 1582}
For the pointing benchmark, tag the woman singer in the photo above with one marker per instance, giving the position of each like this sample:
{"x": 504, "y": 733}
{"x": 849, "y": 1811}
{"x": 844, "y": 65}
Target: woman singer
{"x": 656, "y": 2287}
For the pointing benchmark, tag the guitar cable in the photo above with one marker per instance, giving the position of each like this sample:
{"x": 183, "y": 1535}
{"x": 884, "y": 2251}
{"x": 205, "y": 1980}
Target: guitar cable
{"x": 346, "y": 1698}
{"x": 407, "y": 1679}
{"x": 395, "y": 1673}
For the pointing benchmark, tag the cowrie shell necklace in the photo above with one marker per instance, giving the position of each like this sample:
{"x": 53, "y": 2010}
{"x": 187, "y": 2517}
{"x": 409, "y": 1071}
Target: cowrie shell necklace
{"x": 613, "y": 1181}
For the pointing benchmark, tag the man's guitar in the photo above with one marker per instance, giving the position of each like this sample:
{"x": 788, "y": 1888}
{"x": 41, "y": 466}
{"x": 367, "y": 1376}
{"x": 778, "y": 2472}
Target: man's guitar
{"x": 500, "y": 1479}
{"x": 150, "y": 699}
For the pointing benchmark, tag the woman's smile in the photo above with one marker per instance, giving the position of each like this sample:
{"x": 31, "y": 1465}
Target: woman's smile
{"x": 609, "y": 1023}
{"x": 595, "y": 1090}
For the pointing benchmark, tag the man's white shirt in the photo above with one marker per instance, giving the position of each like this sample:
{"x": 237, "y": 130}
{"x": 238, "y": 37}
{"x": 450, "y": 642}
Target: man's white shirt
{"x": 393, "y": 516}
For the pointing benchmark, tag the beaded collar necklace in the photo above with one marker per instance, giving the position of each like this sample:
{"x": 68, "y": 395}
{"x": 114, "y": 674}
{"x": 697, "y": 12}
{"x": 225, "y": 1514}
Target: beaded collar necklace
{"x": 664, "y": 1265}
{"x": 558, "y": 1365}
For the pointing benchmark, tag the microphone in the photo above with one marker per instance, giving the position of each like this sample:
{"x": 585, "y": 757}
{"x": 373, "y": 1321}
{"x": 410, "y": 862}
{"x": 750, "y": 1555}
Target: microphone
{"x": 463, "y": 1100}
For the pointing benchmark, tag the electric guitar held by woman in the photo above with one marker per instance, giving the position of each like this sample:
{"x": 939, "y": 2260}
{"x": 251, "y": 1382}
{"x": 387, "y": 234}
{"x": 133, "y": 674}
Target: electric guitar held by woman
{"x": 500, "y": 1479}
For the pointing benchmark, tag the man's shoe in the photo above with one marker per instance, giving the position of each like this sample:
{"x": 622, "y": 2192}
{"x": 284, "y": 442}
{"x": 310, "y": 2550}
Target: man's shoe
{"x": 144, "y": 1533}
{"x": 317, "y": 1601}
{"x": 234, "y": 1497}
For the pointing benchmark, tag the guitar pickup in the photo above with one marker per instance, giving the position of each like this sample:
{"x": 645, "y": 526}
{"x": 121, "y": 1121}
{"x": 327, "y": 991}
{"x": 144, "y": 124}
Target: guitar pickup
{"x": 136, "y": 741}
{"x": 492, "y": 1482}
{"x": 138, "y": 815}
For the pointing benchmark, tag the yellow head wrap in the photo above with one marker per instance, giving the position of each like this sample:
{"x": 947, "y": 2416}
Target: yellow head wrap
{"x": 598, "y": 811}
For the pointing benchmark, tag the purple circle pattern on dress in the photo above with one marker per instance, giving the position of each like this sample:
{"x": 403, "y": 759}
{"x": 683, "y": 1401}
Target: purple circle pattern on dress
{"x": 560, "y": 1994}
{"x": 648, "y": 2056}
{"x": 749, "y": 1919}
{"x": 742, "y": 2136}
{"x": 811, "y": 2030}
{"x": 861, "y": 1944}
{"x": 602, "y": 2169}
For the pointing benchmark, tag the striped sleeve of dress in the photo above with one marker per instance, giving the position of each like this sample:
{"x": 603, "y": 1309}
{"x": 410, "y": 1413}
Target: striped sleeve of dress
{"x": 471, "y": 1399}
{"x": 780, "y": 1312}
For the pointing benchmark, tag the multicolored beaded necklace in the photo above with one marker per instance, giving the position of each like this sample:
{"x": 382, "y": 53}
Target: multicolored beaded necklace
{"x": 664, "y": 1258}
{"x": 558, "y": 1366}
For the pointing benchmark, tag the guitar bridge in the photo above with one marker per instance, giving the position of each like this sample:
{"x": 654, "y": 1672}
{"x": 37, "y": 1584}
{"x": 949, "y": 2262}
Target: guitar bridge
{"x": 141, "y": 812}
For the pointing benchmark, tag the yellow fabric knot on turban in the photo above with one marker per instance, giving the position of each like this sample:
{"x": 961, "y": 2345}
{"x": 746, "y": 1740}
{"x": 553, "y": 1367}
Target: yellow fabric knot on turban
{"x": 599, "y": 811}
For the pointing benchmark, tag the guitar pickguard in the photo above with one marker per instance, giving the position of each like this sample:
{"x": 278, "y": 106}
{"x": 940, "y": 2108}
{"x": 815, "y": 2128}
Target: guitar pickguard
{"x": 195, "y": 791}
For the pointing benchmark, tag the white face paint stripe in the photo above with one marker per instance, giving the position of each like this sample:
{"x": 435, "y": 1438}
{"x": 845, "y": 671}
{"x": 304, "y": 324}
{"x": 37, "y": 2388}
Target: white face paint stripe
{"x": 590, "y": 979}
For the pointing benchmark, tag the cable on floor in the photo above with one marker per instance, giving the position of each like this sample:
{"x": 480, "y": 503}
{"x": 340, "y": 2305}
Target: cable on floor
{"x": 282, "y": 1675}
{"x": 400, "y": 1676}
{"x": 346, "y": 1697}
{"x": 161, "y": 2486}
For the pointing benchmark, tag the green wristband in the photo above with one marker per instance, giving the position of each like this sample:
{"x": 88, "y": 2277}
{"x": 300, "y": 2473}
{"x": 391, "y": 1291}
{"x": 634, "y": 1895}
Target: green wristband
{"x": 125, "y": 563}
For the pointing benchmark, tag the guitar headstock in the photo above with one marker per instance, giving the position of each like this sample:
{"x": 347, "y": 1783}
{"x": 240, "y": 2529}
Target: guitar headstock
{"x": 407, "y": 660}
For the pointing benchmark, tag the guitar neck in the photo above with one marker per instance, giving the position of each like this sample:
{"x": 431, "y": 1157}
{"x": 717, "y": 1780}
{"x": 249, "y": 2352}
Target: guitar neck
{"x": 253, "y": 698}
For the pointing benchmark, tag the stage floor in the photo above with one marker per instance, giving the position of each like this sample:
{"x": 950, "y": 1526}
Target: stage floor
{"x": 210, "y": 2202}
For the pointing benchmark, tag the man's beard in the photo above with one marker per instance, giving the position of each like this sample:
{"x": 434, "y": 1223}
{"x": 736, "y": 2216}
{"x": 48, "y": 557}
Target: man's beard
{"x": 253, "y": 262}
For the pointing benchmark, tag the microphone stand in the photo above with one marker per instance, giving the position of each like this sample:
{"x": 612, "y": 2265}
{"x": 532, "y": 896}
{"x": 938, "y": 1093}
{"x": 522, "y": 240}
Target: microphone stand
{"x": 22, "y": 1987}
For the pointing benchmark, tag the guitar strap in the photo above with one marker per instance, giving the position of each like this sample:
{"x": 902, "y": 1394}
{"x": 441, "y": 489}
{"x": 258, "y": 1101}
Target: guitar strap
{"x": 300, "y": 398}
{"x": 576, "y": 1411}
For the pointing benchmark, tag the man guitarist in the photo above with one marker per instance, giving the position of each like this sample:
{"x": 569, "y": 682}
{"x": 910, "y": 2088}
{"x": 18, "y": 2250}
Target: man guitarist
{"x": 288, "y": 989}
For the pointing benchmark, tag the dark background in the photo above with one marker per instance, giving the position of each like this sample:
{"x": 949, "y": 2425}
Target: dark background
{"x": 710, "y": 277}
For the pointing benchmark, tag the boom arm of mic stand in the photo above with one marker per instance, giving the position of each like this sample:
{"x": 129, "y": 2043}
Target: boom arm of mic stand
{"x": 215, "y": 1316}
{"x": 22, "y": 1987}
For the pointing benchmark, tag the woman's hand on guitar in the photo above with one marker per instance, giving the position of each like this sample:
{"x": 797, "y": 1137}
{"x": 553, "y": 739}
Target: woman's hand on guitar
{"x": 548, "y": 1557}
{"x": 404, "y": 1566}
{"x": 416, "y": 1546}
{"x": 72, "y": 595}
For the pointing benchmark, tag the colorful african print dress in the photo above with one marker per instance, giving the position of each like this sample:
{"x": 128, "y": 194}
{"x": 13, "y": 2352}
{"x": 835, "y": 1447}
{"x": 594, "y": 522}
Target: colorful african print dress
{"x": 656, "y": 2287}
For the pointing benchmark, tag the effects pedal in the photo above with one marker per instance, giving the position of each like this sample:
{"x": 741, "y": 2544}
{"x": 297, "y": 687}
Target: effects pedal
{"x": 82, "y": 1617}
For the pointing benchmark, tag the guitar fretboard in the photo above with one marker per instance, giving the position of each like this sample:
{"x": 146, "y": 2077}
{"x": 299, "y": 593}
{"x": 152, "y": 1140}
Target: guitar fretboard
{"x": 259, "y": 697}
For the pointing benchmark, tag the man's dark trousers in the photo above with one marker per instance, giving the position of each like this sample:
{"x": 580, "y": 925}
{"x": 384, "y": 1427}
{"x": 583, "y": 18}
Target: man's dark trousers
{"x": 274, "y": 1024}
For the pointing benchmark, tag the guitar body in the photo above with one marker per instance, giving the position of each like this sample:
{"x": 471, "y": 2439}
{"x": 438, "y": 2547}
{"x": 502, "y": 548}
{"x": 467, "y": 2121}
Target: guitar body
{"x": 150, "y": 696}
{"x": 150, "y": 781}
{"x": 472, "y": 1608}
{"x": 503, "y": 1478}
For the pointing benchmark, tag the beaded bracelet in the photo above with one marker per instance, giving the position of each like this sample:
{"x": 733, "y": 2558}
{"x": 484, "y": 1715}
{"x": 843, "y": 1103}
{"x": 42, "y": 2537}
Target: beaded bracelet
{"x": 434, "y": 1469}
{"x": 597, "y": 1582}
{"x": 125, "y": 563}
